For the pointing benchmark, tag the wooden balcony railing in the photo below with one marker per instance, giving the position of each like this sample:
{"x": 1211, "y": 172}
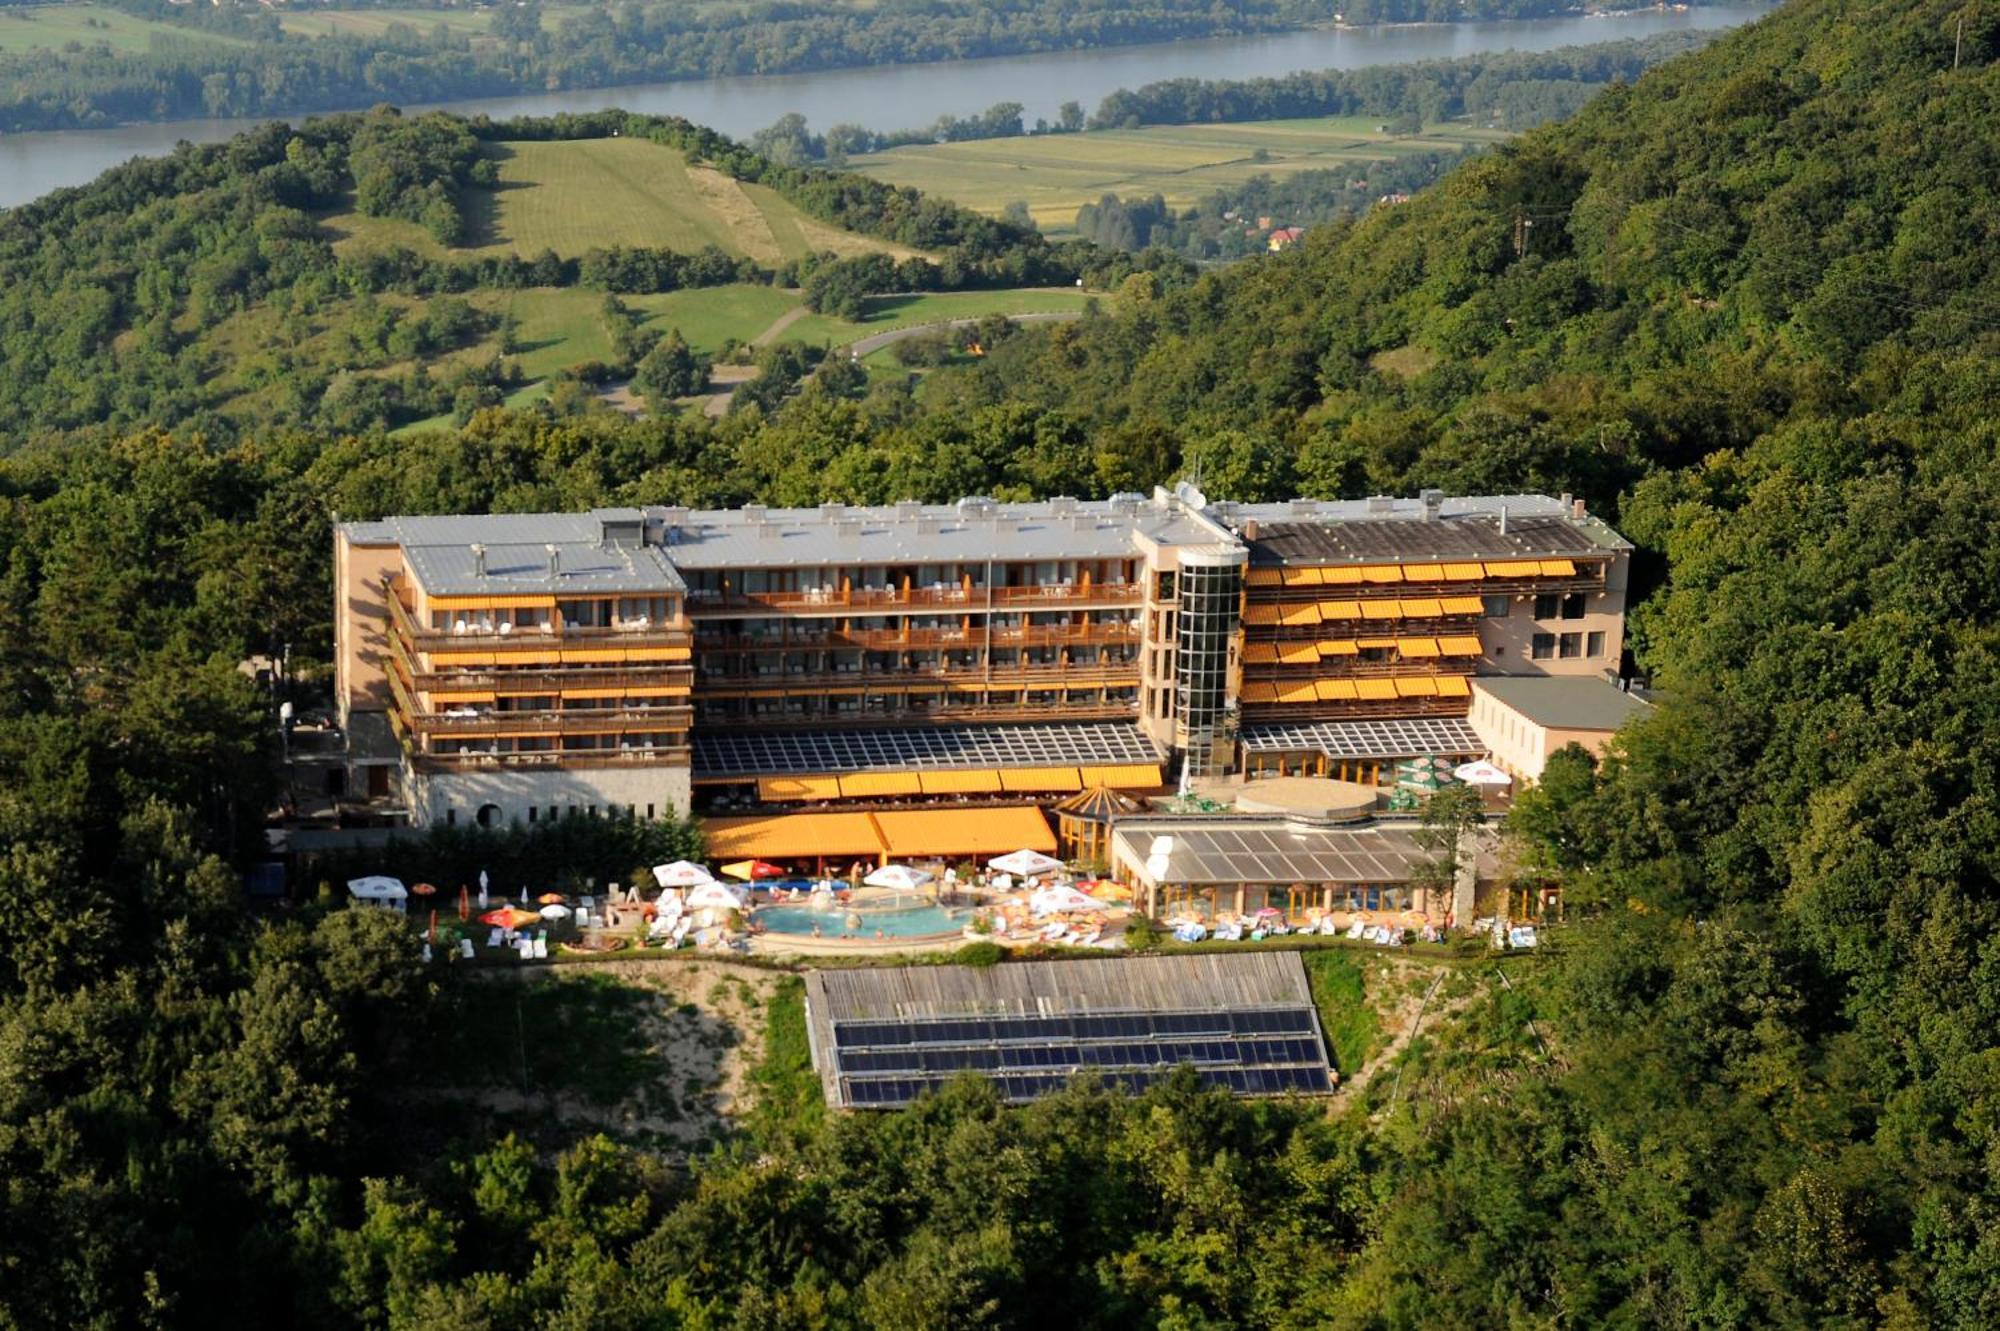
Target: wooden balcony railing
{"x": 890, "y": 681}
{"x": 657, "y": 756}
{"x": 1587, "y": 578}
{"x": 879, "y": 600}
{"x": 549, "y": 637}
{"x": 715, "y": 716}
{"x": 1265, "y": 713}
{"x": 590, "y": 721}
{"x": 797, "y": 636}
{"x": 554, "y": 681}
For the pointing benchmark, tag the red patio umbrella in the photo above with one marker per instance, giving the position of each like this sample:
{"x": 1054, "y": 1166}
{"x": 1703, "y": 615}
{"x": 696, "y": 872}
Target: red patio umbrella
{"x": 550, "y": 899}
{"x": 423, "y": 890}
{"x": 509, "y": 917}
{"x": 464, "y": 903}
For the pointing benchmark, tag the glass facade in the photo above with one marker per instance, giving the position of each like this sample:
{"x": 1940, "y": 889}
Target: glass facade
{"x": 1211, "y": 601}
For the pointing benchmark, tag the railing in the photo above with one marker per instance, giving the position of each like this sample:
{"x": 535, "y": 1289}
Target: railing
{"x": 589, "y": 721}
{"x": 1347, "y": 667}
{"x": 796, "y": 637}
{"x": 680, "y": 674}
{"x": 1041, "y": 676}
{"x": 716, "y": 718}
{"x": 657, "y": 756}
{"x": 1593, "y": 580}
{"x": 1354, "y": 709}
{"x": 869, "y": 600}
{"x": 551, "y": 636}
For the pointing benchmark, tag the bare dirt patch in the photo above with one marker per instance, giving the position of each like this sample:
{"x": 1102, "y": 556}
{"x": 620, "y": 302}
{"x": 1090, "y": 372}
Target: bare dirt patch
{"x": 725, "y": 198}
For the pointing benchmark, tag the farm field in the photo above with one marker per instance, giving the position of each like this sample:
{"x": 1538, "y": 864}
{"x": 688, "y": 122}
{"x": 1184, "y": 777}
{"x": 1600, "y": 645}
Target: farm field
{"x": 375, "y": 22}
{"x": 51, "y": 27}
{"x": 574, "y": 196}
{"x": 1056, "y": 174}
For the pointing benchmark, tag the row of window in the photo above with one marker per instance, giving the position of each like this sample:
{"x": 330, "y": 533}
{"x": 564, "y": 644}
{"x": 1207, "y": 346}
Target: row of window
{"x": 1566, "y": 646}
{"x": 489, "y": 815}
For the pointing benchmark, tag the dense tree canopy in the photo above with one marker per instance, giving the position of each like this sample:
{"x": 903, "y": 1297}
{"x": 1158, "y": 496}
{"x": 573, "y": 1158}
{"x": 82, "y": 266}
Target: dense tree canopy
{"x": 1751, "y": 1082}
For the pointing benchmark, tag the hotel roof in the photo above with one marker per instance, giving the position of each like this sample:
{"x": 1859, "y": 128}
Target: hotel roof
{"x": 1564, "y": 702}
{"x": 557, "y": 553}
{"x": 1313, "y": 531}
{"x": 1212, "y": 851}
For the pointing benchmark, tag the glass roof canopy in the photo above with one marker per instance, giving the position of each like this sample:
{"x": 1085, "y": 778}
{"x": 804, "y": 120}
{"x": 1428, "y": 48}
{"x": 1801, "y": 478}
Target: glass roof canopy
{"x": 830, "y": 751}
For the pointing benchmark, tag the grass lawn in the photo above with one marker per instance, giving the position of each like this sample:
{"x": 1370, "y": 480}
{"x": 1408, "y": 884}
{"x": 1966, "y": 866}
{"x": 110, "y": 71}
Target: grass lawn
{"x": 1340, "y": 992}
{"x": 1058, "y": 173}
{"x": 884, "y": 313}
{"x": 51, "y": 27}
{"x": 559, "y": 328}
{"x": 575, "y": 196}
{"x": 375, "y": 22}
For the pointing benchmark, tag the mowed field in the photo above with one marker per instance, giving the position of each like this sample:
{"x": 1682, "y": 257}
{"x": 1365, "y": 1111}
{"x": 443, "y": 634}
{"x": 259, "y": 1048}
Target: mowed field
{"x": 1055, "y": 174}
{"x": 584, "y": 194}
{"x": 51, "y": 27}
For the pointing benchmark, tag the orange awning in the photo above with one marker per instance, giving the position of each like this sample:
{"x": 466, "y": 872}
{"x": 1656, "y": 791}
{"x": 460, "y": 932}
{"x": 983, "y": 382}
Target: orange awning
{"x": 1381, "y": 572}
{"x": 1346, "y": 576}
{"x": 1299, "y": 653}
{"x": 1416, "y": 648}
{"x": 1260, "y": 614}
{"x": 446, "y": 699}
{"x": 1423, "y": 572}
{"x": 875, "y": 785}
{"x": 795, "y": 836}
{"x": 1259, "y": 693}
{"x": 779, "y": 789}
{"x": 1301, "y": 577}
{"x": 1416, "y": 686}
{"x": 1339, "y": 647}
{"x": 1260, "y": 653}
{"x": 948, "y": 833}
{"x": 1464, "y": 572}
{"x": 1375, "y": 644}
{"x": 1037, "y": 780}
{"x": 1134, "y": 776}
{"x": 1297, "y": 616}
{"x": 959, "y": 783}
{"x": 1374, "y": 689}
{"x": 1558, "y": 568}
{"x": 1303, "y": 692}
{"x": 1462, "y": 605}
{"x": 1452, "y": 686}
{"x": 1339, "y": 610}
{"x": 1263, "y": 577}
{"x": 1515, "y": 568}
{"x": 1423, "y": 608}
{"x": 1464, "y": 645}
{"x": 1381, "y": 609}
{"x": 1335, "y": 690}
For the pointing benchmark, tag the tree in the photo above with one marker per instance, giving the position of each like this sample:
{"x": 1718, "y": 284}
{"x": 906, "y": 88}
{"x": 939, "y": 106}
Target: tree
{"x": 670, "y": 370}
{"x": 1445, "y": 832}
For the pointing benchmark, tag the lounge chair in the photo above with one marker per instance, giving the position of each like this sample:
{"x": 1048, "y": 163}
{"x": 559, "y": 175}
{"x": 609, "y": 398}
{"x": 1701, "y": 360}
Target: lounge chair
{"x": 1357, "y": 930}
{"x": 493, "y": 939}
{"x": 465, "y": 948}
{"x": 1231, "y": 932}
{"x": 541, "y": 952}
{"x": 427, "y": 954}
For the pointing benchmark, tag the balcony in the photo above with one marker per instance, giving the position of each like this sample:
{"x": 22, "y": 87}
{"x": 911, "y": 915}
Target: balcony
{"x": 551, "y": 637}
{"x": 470, "y": 724}
{"x": 880, "y": 600}
{"x": 892, "y": 681}
{"x": 798, "y": 636}
{"x": 657, "y": 756}
{"x": 716, "y": 717}
{"x": 554, "y": 681}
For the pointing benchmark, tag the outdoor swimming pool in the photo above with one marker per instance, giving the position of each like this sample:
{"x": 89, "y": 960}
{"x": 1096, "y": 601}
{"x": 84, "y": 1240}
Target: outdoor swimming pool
{"x": 923, "y": 921}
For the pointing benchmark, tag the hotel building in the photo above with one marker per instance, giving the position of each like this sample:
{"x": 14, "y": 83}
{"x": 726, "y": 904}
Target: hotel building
{"x": 534, "y": 665}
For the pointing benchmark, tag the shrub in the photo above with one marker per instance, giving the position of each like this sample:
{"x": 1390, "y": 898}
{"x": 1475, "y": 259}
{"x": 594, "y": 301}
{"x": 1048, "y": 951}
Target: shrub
{"x": 979, "y": 954}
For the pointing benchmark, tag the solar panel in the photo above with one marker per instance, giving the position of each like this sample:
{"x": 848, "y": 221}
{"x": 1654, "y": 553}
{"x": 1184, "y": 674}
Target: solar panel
{"x": 723, "y": 754}
{"x": 1415, "y": 737}
{"x": 1263, "y": 1051}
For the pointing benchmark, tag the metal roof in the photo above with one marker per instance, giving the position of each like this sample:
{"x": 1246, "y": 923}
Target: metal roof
{"x": 880, "y": 1038}
{"x": 1217, "y": 851}
{"x": 968, "y": 532}
{"x": 1449, "y": 736}
{"x": 1471, "y": 536}
{"x": 441, "y": 556}
{"x": 1564, "y": 702}
{"x": 1104, "y": 744}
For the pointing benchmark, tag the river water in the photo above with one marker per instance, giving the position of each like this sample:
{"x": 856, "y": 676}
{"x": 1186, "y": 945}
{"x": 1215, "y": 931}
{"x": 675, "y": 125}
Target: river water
{"x": 887, "y": 97}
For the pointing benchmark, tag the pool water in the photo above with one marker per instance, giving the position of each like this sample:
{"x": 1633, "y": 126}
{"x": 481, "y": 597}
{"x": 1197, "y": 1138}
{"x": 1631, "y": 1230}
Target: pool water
{"x": 909, "y": 922}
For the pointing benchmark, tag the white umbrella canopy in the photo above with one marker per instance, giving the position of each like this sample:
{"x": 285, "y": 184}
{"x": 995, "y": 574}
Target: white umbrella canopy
{"x": 681, "y": 873}
{"x": 1053, "y": 900}
{"x": 715, "y": 896}
{"x": 1024, "y": 862}
{"x": 554, "y": 912}
{"x": 1482, "y": 773}
{"x": 377, "y": 887}
{"x": 900, "y": 876}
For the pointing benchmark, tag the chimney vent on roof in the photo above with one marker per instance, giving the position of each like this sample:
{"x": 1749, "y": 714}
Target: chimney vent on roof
{"x": 753, "y": 512}
{"x": 1082, "y": 522}
{"x": 1250, "y": 530}
{"x": 555, "y": 560}
{"x": 973, "y": 504}
{"x": 847, "y": 527}
{"x": 478, "y": 561}
{"x": 1126, "y": 501}
{"x": 929, "y": 526}
{"x": 769, "y": 531}
{"x": 1062, "y": 504}
{"x": 1381, "y": 504}
{"x": 1566, "y": 498}
{"x": 1433, "y": 502}
{"x": 909, "y": 508}
{"x": 1577, "y": 510}
{"x": 1503, "y": 519}
{"x": 832, "y": 510}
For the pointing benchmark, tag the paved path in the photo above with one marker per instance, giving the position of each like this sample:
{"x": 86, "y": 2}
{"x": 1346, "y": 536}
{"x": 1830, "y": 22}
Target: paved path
{"x": 779, "y": 325}
{"x": 876, "y": 341}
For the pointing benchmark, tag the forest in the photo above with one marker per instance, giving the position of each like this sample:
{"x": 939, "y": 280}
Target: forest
{"x": 1752, "y": 1082}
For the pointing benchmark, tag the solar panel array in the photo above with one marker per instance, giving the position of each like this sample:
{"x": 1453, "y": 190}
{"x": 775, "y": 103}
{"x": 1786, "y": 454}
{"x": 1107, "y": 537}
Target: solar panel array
{"x": 1268, "y": 1051}
{"x": 1266, "y": 853}
{"x": 1419, "y": 737}
{"x": 829, "y": 751}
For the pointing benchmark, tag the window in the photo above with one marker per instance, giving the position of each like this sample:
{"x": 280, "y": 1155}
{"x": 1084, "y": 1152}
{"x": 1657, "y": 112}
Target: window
{"x": 1547, "y": 605}
{"x": 451, "y": 817}
{"x": 1498, "y": 607}
{"x": 1571, "y": 646}
{"x": 531, "y": 813}
{"x": 1543, "y": 647}
{"x": 1163, "y": 587}
{"x": 1573, "y": 606}
{"x": 1593, "y": 645}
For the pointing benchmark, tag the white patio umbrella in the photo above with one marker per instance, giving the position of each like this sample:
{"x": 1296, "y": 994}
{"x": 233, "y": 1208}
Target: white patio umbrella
{"x": 1482, "y": 773}
{"x": 378, "y": 890}
{"x": 1024, "y": 862}
{"x": 1054, "y": 900}
{"x": 715, "y": 896}
{"x": 900, "y": 876}
{"x": 553, "y": 911}
{"x": 681, "y": 873}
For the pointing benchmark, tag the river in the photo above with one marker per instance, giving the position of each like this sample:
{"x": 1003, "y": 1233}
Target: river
{"x": 886, "y": 97}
